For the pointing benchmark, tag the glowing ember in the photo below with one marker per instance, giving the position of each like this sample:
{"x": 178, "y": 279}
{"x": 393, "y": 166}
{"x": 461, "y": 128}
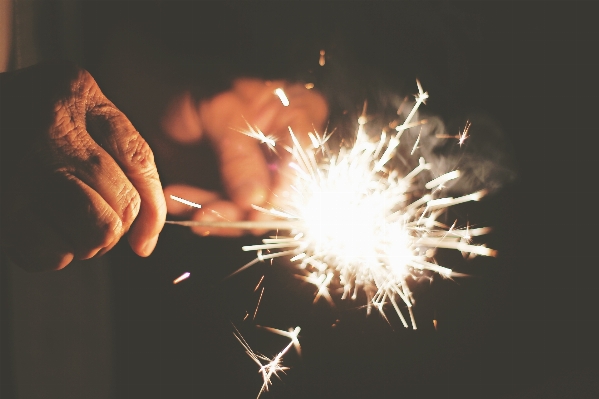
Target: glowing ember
{"x": 181, "y": 277}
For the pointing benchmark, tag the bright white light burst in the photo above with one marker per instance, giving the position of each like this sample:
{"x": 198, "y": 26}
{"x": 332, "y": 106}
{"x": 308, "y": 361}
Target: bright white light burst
{"x": 355, "y": 223}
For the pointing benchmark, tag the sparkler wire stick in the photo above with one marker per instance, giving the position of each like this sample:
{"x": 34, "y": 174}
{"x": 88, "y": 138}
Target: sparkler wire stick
{"x": 244, "y": 224}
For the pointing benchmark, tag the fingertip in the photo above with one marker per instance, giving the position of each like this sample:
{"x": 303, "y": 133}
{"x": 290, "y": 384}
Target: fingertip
{"x": 143, "y": 241}
{"x": 144, "y": 232}
{"x": 63, "y": 260}
{"x": 149, "y": 246}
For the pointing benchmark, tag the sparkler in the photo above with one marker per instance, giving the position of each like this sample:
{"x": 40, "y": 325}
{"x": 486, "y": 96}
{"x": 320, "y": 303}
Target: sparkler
{"x": 358, "y": 224}
{"x": 355, "y": 223}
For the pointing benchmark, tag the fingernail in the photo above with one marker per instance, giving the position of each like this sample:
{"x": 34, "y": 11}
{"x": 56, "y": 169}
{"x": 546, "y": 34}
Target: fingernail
{"x": 149, "y": 246}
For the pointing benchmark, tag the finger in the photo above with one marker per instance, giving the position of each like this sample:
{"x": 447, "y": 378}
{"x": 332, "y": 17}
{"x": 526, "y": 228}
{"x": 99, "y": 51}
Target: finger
{"x": 189, "y": 193}
{"x": 243, "y": 168}
{"x": 266, "y": 104}
{"x": 256, "y": 92}
{"x": 307, "y": 112}
{"x": 181, "y": 121}
{"x": 90, "y": 174}
{"x": 81, "y": 215}
{"x": 242, "y": 165}
{"x": 135, "y": 158}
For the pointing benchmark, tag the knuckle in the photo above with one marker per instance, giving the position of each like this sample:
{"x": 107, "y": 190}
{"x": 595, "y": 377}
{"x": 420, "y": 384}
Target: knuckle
{"x": 129, "y": 202}
{"x": 138, "y": 153}
{"x": 110, "y": 230}
{"x": 84, "y": 83}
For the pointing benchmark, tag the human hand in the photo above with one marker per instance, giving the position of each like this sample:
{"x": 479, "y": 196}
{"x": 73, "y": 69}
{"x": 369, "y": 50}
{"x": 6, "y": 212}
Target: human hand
{"x": 76, "y": 175}
{"x": 246, "y": 172}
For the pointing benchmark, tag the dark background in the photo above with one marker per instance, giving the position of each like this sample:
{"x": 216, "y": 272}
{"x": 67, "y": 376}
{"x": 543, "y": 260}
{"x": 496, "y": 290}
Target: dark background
{"x": 522, "y": 326}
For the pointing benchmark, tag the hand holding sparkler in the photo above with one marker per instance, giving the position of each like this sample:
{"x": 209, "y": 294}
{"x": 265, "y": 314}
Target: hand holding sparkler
{"x": 263, "y": 112}
{"x": 76, "y": 175}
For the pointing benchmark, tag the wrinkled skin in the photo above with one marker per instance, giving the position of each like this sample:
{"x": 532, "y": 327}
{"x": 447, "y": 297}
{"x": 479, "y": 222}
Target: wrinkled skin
{"x": 76, "y": 176}
{"x": 245, "y": 164}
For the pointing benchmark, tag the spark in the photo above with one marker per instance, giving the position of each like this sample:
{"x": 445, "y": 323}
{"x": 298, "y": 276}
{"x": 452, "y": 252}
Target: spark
{"x": 322, "y": 282}
{"x": 461, "y": 137}
{"x": 292, "y": 333}
{"x": 255, "y": 133}
{"x": 281, "y": 94}
{"x": 464, "y": 135}
{"x": 415, "y": 145}
{"x": 258, "y": 285}
{"x": 442, "y": 179}
{"x": 181, "y": 278}
{"x": 318, "y": 141}
{"x": 321, "y": 59}
{"x": 186, "y": 202}
{"x": 268, "y": 367}
{"x": 258, "y": 304}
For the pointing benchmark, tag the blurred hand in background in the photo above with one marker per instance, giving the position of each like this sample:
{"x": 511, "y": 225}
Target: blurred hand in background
{"x": 252, "y": 174}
